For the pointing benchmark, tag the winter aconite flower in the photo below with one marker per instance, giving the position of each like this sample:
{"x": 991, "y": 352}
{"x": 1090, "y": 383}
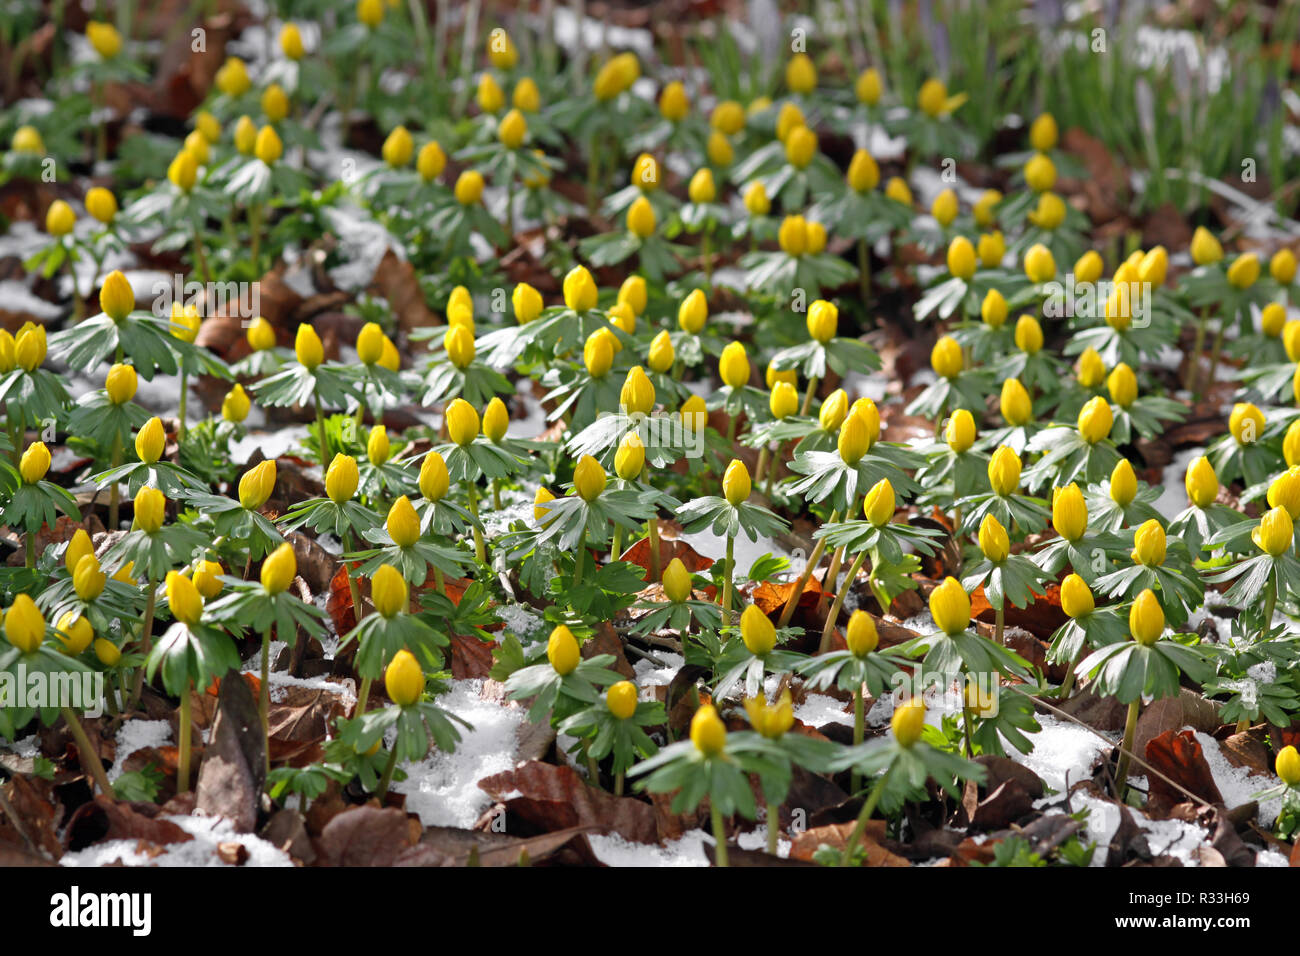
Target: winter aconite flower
{"x": 757, "y": 631}
{"x": 1040, "y": 266}
{"x": 1004, "y": 471}
{"x": 909, "y": 721}
{"x": 1076, "y": 597}
{"x": 404, "y": 679}
{"x": 279, "y": 569}
{"x": 993, "y": 540}
{"x": 1201, "y": 482}
{"x": 733, "y": 366}
{"x": 256, "y": 485}
{"x": 736, "y": 483}
{"x": 403, "y": 523}
{"x": 676, "y": 581}
{"x": 708, "y": 733}
{"x": 1146, "y": 618}
{"x": 1246, "y": 423}
{"x": 589, "y": 478}
{"x": 24, "y": 624}
{"x": 462, "y": 422}
{"x": 34, "y": 463}
{"x": 562, "y": 650}
{"x": 960, "y": 431}
{"x": 961, "y": 258}
{"x": 1149, "y": 544}
{"x": 1288, "y": 766}
{"x": 183, "y": 598}
{"x": 341, "y": 479}
{"x": 1274, "y": 533}
{"x": 946, "y": 357}
{"x": 1069, "y": 513}
{"x": 388, "y": 591}
{"x": 1095, "y": 420}
{"x": 950, "y": 606}
{"x": 620, "y": 698}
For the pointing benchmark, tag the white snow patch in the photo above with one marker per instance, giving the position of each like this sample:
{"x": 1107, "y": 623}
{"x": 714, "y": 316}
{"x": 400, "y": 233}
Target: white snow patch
{"x": 208, "y": 832}
{"x": 1062, "y": 748}
{"x": 138, "y": 735}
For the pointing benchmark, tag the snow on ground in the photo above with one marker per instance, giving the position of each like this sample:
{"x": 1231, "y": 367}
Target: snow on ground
{"x": 747, "y": 552}
{"x": 443, "y": 787}
{"x": 138, "y": 735}
{"x": 1238, "y": 785}
{"x": 649, "y": 674}
{"x": 1062, "y": 748}
{"x": 208, "y": 832}
{"x": 818, "y": 710}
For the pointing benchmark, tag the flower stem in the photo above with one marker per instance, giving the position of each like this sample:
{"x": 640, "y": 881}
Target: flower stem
{"x": 480, "y": 550}
{"x": 320, "y": 433}
{"x": 146, "y": 635}
{"x": 859, "y": 731}
{"x": 838, "y": 603}
{"x": 180, "y": 430}
{"x": 813, "y": 559}
{"x": 864, "y": 270}
{"x": 186, "y": 747}
{"x": 264, "y": 696}
{"x": 387, "y": 778}
{"x": 773, "y": 828}
{"x": 719, "y": 834}
{"x": 867, "y": 809}
{"x": 652, "y": 530}
{"x": 730, "y": 573}
{"x": 115, "y": 489}
{"x": 580, "y": 556}
{"x": 363, "y": 695}
{"x": 354, "y": 591}
{"x": 808, "y": 395}
{"x": 89, "y": 755}
{"x": 1193, "y": 366}
{"x": 761, "y": 469}
{"x": 1126, "y": 749}
{"x": 998, "y": 622}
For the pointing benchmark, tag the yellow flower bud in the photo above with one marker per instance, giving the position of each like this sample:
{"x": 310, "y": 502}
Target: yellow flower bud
{"x": 1069, "y": 513}
{"x": 630, "y": 457}
{"x": 674, "y": 104}
{"x": 932, "y": 98}
{"x": 206, "y": 578}
{"x": 1154, "y": 267}
{"x": 1282, "y": 267}
{"x": 341, "y": 479}
{"x": 513, "y": 130}
{"x": 430, "y": 162}
{"x": 78, "y": 547}
{"x": 833, "y": 410}
{"x": 27, "y": 139}
{"x": 1288, "y": 766}
{"x": 1088, "y": 267}
{"x": 1092, "y": 370}
{"x": 757, "y": 202}
{"x": 275, "y": 104}
{"x": 783, "y": 401}
{"x": 823, "y": 321}
{"x": 693, "y": 312}
{"x": 880, "y": 502}
{"x": 620, "y": 699}
{"x": 539, "y": 501}
{"x": 268, "y": 147}
{"x": 1149, "y": 544}
{"x": 908, "y": 721}
{"x": 1123, "y": 483}
{"x": 183, "y": 172}
{"x": 863, "y": 175}
{"x": 104, "y": 38}
{"x": 1016, "y": 406}
{"x": 291, "y": 41}
{"x": 469, "y": 187}
{"x": 235, "y": 404}
{"x": 961, "y": 258}
{"x": 183, "y": 597}
{"x": 728, "y": 117}
{"x": 993, "y": 539}
{"x": 59, "y": 218}
{"x": 801, "y": 74}
{"x": 1244, "y": 271}
{"x": 770, "y": 721}
{"x": 462, "y": 422}
{"x": 677, "y": 581}
{"x": 757, "y": 631}
{"x": 1040, "y": 173}
{"x": 992, "y": 247}
{"x": 1095, "y": 420}
{"x": 74, "y": 633}
{"x": 579, "y": 289}
{"x": 1202, "y": 483}
{"x": 87, "y": 579}
{"x": 1146, "y": 618}
{"x": 1029, "y": 334}
{"x": 308, "y": 348}
{"x": 708, "y": 733}
{"x": 868, "y": 87}
{"x": 257, "y": 484}
{"x": 854, "y": 440}
{"x": 1076, "y": 597}
{"x": 403, "y": 523}
{"x": 946, "y": 357}
{"x": 589, "y": 478}
{"x": 1272, "y": 319}
{"x": 641, "y": 218}
{"x": 562, "y": 650}
{"x": 1040, "y": 266}
{"x": 861, "y": 636}
{"x": 1246, "y": 423}
{"x": 29, "y": 347}
{"x": 945, "y": 207}
{"x": 661, "y": 355}
{"x": 1049, "y": 213}
{"x": 960, "y": 431}
{"x": 107, "y": 652}
{"x": 950, "y": 606}
{"x": 388, "y": 591}
{"x": 1273, "y": 535}
{"x": 719, "y": 150}
{"x": 701, "y": 188}
{"x": 150, "y": 441}
{"x": 898, "y": 190}
{"x": 1043, "y": 133}
{"x": 800, "y": 147}
{"x": 1205, "y": 248}
{"x": 24, "y": 624}
{"x": 404, "y": 679}
{"x": 598, "y": 353}
{"x": 1004, "y": 471}
{"x": 279, "y": 569}
{"x": 101, "y": 204}
{"x": 793, "y": 236}
{"x": 733, "y": 366}
{"x": 736, "y": 484}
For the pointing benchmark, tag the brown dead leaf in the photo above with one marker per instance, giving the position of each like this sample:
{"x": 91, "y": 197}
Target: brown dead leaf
{"x": 367, "y": 836}
{"x": 556, "y": 798}
{"x": 1178, "y": 756}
